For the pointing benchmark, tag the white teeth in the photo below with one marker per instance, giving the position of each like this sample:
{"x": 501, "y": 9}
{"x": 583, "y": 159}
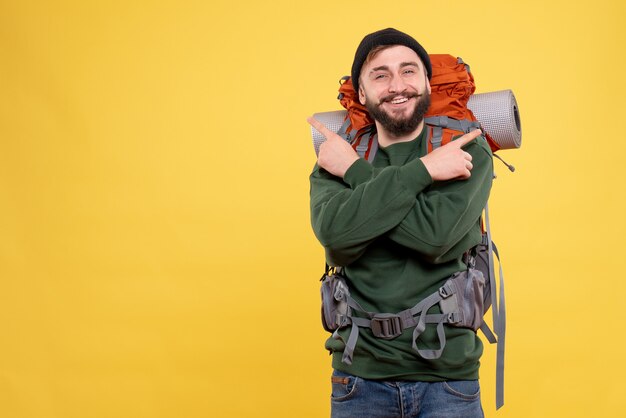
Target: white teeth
{"x": 399, "y": 100}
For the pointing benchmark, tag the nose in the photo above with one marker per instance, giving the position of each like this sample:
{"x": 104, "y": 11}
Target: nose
{"x": 396, "y": 85}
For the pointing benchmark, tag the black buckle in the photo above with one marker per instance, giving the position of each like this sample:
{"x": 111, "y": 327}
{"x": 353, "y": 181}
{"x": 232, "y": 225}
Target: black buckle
{"x": 386, "y": 326}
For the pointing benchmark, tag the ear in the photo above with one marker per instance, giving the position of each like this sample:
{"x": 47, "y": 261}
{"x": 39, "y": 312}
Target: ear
{"x": 361, "y": 95}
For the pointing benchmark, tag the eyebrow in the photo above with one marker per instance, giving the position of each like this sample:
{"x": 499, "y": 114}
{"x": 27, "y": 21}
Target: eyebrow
{"x": 402, "y": 65}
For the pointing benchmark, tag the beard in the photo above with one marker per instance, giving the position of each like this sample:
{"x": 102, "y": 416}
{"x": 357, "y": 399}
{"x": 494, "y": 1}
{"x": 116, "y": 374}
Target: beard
{"x": 398, "y": 127}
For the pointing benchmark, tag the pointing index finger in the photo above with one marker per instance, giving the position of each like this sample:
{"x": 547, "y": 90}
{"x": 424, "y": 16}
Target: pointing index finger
{"x": 468, "y": 137}
{"x": 319, "y": 126}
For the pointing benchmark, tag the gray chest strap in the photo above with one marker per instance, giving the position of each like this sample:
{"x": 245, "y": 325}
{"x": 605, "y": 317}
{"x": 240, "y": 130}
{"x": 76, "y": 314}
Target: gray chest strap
{"x": 439, "y": 123}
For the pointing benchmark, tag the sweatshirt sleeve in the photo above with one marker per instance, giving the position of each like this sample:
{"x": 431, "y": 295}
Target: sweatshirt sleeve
{"x": 348, "y": 214}
{"x": 445, "y": 214}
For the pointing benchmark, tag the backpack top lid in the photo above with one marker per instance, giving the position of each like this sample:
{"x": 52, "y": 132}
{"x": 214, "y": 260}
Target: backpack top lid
{"x": 452, "y": 85}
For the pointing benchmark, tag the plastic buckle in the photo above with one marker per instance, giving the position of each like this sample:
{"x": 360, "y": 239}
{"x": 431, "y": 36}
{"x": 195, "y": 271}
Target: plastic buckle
{"x": 386, "y": 326}
{"x": 341, "y": 320}
{"x": 469, "y": 259}
{"x": 454, "y": 318}
{"x": 341, "y": 291}
{"x": 445, "y": 291}
{"x": 484, "y": 240}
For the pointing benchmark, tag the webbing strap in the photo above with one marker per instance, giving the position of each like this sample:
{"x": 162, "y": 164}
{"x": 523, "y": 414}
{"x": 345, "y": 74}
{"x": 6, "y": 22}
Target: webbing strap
{"x": 427, "y": 353}
{"x": 406, "y": 320}
{"x": 367, "y": 145}
{"x": 488, "y": 333}
{"x": 356, "y": 305}
{"x": 361, "y": 148}
{"x": 427, "y": 303}
{"x": 501, "y": 331}
{"x": 439, "y": 123}
{"x": 429, "y": 318}
{"x": 342, "y": 132}
{"x": 421, "y": 309}
{"x": 498, "y": 312}
{"x": 492, "y": 274}
{"x": 443, "y": 122}
{"x": 500, "y": 365}
{"x": 350, "y": 344}
{"x": 373, "y": 148}
{"x": 437, "y": 137}
{"x": 348, "y": 351}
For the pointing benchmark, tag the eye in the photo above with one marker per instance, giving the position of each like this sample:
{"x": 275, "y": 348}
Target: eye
{"x": 379, "y": 76}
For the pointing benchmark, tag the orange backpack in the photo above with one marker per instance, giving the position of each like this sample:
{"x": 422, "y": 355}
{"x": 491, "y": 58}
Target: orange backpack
{"x": 448, "y": 116}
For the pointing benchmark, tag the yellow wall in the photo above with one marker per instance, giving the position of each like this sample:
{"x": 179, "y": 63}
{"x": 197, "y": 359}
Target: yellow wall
{"x": 156, "y": 258}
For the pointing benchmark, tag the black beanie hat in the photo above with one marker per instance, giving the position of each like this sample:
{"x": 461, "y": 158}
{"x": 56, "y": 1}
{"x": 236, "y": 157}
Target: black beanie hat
{"x": 387, "y": 36}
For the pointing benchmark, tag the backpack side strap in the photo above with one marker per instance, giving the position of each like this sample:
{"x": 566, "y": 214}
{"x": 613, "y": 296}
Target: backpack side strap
{"x": 498, "y": 311}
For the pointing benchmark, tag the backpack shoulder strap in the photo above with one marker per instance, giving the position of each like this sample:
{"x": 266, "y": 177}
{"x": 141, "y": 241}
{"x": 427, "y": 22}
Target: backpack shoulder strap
{"x": 366, "y": 143}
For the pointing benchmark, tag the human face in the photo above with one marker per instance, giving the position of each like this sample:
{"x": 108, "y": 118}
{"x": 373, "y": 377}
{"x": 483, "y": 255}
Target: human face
{"x": 395, "y": 90}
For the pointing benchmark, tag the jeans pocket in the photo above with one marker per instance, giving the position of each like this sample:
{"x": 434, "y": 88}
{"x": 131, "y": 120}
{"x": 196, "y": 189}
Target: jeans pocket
{"x": 464, "y": 389}
{"x": 343, "y": 386}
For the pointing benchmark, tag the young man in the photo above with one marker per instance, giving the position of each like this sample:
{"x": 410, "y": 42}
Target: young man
{"x": 399, "y": 228}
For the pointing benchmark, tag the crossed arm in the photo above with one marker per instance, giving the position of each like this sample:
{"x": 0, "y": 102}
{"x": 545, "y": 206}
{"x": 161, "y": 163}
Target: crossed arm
{"x": 413, "y": 205}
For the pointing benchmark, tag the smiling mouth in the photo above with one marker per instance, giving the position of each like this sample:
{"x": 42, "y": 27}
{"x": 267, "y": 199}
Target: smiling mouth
{"x": 399, "y": 100}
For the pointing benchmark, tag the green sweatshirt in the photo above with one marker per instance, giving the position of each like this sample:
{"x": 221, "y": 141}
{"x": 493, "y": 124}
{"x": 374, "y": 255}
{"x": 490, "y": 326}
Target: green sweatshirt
{"x": 399, "y": 236}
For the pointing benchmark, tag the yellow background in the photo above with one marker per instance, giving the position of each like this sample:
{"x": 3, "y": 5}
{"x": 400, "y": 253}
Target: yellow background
{"x": 156, "y": 258}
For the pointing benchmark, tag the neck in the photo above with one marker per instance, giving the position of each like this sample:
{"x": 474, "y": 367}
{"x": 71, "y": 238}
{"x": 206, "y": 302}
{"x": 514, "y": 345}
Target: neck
{"x": 385, "y": 138}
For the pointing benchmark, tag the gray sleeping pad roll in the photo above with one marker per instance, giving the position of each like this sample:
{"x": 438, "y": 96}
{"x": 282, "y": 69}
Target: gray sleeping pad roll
{"x": 497, "y": 113}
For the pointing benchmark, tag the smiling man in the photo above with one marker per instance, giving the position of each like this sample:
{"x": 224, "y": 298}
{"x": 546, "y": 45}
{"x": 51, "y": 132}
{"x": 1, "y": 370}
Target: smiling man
{"x": 399, "y": 228}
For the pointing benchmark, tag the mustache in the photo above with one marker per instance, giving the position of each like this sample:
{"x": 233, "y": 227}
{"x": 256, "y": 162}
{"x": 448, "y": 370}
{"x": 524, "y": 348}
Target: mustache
{"x": 408, "y": 95}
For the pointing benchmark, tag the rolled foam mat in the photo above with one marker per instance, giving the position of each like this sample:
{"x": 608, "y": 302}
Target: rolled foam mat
{"x": 496, "y": 111}
{"x": 498, "y": 114}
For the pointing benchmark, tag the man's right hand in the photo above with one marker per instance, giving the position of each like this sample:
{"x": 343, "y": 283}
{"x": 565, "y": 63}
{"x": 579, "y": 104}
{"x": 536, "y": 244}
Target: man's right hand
{"x": 335, "y": 154}
{"x": 450, "y": 161}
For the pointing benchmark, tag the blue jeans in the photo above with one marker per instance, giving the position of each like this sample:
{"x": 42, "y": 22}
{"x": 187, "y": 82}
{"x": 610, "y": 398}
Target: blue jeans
{"x": 355, "y": 397}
